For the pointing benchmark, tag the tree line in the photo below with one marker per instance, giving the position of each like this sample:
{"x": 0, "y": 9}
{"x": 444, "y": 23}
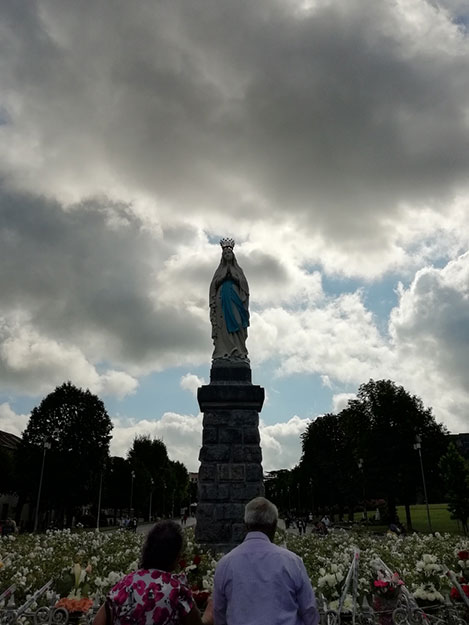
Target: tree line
{"x": 383, "y": 446}
{"x": 65, "y": 450}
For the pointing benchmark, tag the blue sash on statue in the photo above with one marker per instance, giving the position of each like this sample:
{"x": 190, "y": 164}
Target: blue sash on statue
{"x": 230, "y": 301}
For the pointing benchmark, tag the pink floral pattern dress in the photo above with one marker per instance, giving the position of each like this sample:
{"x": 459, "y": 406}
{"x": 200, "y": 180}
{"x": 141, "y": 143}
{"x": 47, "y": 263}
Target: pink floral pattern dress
{"x": 150, "y": 597}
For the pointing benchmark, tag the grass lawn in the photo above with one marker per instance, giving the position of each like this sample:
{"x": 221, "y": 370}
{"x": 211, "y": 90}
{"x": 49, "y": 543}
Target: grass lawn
{"x": 439, "y": 516}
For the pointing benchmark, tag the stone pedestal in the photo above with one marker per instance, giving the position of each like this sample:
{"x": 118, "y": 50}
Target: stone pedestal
{"x": 230, "y": 472}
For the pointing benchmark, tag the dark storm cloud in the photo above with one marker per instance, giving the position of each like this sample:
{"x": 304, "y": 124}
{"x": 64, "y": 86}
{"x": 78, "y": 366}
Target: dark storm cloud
{"x": 335, "y": 116}
{"x": 85, "y": 278}
{"x": 312, "y": 136}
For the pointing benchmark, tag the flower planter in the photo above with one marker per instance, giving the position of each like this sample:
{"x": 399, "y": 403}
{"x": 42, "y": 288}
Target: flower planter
{"x": 385, "y": 606}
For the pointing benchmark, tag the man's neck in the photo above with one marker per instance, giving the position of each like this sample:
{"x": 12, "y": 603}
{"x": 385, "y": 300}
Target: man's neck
{"x": 268, "y": 531}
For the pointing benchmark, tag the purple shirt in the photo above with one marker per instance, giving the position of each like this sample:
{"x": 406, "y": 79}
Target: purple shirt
{"x": 259, "y": 583}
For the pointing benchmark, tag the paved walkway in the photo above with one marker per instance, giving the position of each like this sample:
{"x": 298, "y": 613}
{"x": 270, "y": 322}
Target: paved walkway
{"x": 143, "y": 528}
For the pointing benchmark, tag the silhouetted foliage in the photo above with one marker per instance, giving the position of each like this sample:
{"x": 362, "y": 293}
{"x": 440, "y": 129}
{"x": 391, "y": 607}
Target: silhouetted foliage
{"x": 154, "y": 472}
{"x": 75, "y": 424}
{"x": 7, "y": 472}
{"x": 455, "y": 472}
{"x": 379, "y": 427}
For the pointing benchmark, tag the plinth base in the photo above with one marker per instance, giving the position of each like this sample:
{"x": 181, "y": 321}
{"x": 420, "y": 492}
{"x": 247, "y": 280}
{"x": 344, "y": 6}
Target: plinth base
{"x": 230, "y": 473}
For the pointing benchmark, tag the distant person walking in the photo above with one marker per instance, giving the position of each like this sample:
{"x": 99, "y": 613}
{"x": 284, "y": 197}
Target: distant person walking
{"x": 259, "y": 583}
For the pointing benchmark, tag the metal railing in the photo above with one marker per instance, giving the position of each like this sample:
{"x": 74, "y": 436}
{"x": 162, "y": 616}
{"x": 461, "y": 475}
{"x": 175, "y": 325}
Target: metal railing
{"x": 405, "y": 611}
{"x": 30, "y": 614}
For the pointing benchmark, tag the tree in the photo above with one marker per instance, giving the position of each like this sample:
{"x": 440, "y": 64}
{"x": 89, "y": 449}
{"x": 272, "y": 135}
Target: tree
{"x": 75, "y": 424}
{"x": 278, "y": 488}
{"x": 115, "y": 496}
{"x": 7, "y": 474}
{"x": 178, "y": 485}
{"x": 392, "y": 418}
{"x": 455, "y": 472}
{"x": 376, "y": 431}
{"x": 328, "y": 464}
{"x": 148, "y": 458}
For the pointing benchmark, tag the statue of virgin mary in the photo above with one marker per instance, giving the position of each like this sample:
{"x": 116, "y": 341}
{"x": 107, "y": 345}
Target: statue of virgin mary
{"x": 229, "y": 307}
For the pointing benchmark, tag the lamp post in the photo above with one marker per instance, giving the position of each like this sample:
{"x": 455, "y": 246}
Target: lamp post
{"x": 418, "y": 447}
{"x": 98, "y": 516}
{"x": 151, "y": 495}
{"x": 360, "y": 466}
{"x": 46, "y": 445}
{"x": 132, "y": 474}
{"x": 311, "y": 484}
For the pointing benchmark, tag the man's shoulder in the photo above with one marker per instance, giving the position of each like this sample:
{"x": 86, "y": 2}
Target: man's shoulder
{"x": 260, "y": 546}
{"x": 285, "y": 553}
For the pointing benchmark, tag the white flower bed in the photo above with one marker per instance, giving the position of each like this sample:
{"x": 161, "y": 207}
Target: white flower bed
{"x": 29, "y": 561}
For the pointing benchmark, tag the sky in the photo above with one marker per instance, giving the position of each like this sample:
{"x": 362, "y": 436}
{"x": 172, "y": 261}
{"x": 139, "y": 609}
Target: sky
{"x": 329, "y": 138}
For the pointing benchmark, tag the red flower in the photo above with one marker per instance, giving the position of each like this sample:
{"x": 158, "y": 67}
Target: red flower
{"x": 463, "y": 555}
{"x": 454, "y": 594}
{"x": 197, "y": 560}
{"x": 182, "y": 564}
{"x": 201, "y": 598}
{"x": 380, "y": 583}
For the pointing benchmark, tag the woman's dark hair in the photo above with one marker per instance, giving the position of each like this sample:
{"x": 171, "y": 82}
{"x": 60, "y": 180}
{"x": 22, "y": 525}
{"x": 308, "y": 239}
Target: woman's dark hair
{"x": 162, "y": 546}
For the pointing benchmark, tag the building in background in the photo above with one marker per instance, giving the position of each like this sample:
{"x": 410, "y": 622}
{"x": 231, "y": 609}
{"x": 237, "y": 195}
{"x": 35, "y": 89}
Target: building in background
{"x": 8, "y": 501}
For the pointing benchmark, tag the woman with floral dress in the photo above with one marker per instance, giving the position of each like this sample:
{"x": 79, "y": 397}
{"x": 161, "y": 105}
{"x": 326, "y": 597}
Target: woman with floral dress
{"x": 154, "y": 594}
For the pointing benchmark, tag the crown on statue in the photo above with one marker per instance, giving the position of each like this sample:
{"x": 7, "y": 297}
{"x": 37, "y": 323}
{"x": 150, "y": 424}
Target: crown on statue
{"x": 227, "y": 242}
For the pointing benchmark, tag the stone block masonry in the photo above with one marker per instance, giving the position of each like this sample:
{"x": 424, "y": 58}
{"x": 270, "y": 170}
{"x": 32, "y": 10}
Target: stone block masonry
{"x": 230, "y": 472}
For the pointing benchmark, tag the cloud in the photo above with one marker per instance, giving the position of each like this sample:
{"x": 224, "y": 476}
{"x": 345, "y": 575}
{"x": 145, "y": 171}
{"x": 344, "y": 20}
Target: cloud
{"x": 340, "y": 401}
{"x": 191, "y": 383}
{"x": 330, "y": 120}
{"x": 337, "y": 338}
{"x": 10, "y": 421}
{"x": 34, "y": 363}
{"x": 281, "y": 443}
{"x": 117, "y": 383}
{"x": 330, "y": 138}
{"x": 430, "y": 331}
{"x": 182, "y": 435}
{"x": 81, "y": 294}
{"x": 425, "y": 348}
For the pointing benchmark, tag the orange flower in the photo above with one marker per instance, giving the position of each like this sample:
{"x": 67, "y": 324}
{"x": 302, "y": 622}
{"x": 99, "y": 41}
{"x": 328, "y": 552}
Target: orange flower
{"x": 75, "y": 605}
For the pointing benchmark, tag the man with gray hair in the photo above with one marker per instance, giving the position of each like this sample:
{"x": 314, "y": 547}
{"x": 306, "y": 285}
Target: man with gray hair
{"x": 260, "y": 583}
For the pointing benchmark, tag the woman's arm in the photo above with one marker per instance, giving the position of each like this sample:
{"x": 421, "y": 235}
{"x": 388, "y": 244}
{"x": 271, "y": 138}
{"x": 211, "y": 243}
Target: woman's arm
{"x": 100, "y": 618}
{"x": 194, "y": 618}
